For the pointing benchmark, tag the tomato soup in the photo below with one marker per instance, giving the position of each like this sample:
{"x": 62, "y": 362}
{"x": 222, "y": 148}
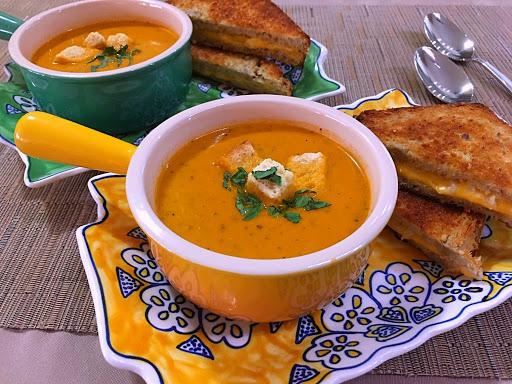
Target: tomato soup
{"x": 198, "y": 200}
{"x": 75, "y": 50}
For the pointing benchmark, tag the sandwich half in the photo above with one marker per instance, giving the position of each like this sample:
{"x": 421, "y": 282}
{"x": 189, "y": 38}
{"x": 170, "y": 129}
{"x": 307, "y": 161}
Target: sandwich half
{"x": 445, "y": 232}
{"x": 242, "y": 71}
{"x": 254, "y": 27}
{"x": 456, "y": 153}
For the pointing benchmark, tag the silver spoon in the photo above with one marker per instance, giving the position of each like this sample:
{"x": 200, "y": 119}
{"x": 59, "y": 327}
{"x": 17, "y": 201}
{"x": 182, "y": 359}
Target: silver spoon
{"x": 451, "y": 41}
{"x": 442, "y": 77}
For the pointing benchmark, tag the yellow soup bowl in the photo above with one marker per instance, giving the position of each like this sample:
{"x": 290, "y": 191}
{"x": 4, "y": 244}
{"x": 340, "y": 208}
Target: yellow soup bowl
{"x": 258, "y": 290}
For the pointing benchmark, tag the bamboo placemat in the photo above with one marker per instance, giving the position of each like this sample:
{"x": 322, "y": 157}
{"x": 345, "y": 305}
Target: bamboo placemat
{"x": 43, "y": 284}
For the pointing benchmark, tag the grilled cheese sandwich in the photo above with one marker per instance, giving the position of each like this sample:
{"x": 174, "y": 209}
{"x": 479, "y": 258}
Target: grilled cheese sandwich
{"x": 251, "y": 27}
{"x": 457, "y": 153}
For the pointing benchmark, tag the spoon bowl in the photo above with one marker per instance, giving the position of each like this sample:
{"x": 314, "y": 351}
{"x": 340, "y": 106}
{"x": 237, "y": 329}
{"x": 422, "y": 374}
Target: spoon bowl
{"x": 451, "y": 41}
{"x": 447, "y": 38}
{"x": 443, "y": 78}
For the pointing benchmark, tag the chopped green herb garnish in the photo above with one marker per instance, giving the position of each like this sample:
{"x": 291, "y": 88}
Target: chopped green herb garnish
{"x": 239, "y": 178}
{"x": 253, "y": 211}
{"x": 292, "y": 216}
{"x": 307, "y": 202}
{"x": 273, "y": 211}
{"x": 299, "y": 201}
{"x": 248, "y": 199}
{"x": 124, "y": 54}
{"x": 269, "y": 174}
{"x": 110, "y": 55}
{"x": 303, "y": 191}
{"x": 290, "y": 203}
{"x": 248, "y": 205}
{"x": 240, "y": 206}
{"x": 225, "y": 181}
{"x": 303, "y": 201}
{"x": 317, "y": 205}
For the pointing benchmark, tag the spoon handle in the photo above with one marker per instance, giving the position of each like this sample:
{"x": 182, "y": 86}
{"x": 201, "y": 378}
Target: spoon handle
{"x": 497, "y": 73}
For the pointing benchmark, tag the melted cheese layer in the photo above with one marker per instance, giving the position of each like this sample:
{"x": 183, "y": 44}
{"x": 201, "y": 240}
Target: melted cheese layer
{"x": 460, "y": 190}
{"x": 249, "y": 42}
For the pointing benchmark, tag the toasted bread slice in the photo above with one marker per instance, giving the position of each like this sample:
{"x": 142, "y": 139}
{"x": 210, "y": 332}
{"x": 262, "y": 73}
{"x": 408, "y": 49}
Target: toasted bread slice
{"x": 444, "y": 232}
{"x": 242, "y": 71}
{"x": 309, "y": 171}
{"x": 244, "y": 155}
{"x": 458, "y": 153}
{"x": 254, "y": 27}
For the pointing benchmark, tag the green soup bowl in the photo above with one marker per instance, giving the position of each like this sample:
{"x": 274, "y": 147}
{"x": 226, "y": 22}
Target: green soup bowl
{"x": 118, "y": 101}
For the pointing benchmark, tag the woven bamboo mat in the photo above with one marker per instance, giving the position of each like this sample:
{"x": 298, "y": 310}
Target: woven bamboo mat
{"x": 42, "y": 282}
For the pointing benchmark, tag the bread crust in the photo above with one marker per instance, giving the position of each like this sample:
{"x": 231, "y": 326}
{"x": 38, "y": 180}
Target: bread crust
{"x": 242, "y": 71}
{"x": 243, "y": 155}
{"x": 309, "y": 171}
{"x": 447, "y": 233}
{"x": 464, "y": 142}
{"x": 250, "y": 18}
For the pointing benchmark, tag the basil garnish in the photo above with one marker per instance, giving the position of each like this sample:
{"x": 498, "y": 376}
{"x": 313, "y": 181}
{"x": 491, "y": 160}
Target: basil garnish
{"x": 110, "y": 55}
{"x": 239, "y": 178}
{"x": 269, "y": 174}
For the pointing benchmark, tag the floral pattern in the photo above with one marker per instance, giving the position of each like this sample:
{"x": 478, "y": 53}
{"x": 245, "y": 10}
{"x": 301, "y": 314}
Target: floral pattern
{"x": 453, "y": 290}
{"x": 336, "y": 350}
{"x": 144, "y": 263}
{"x": 234, "y": 333}
{"x": 353, "y": 311}
{"x": 396, "y": 286}
{"x": 168, "y": 310}
{"x": 354, "y": 325}
{"x": 449, "y": 290}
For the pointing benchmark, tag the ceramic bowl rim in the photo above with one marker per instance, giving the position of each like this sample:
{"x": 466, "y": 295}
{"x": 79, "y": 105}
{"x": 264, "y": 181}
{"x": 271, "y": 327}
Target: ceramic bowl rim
{"x": 163, "y": 236}
{"x": 16, "y": 40}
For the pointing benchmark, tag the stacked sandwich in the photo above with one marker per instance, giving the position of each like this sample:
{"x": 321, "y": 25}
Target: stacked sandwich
{"x": 454, "y": 165}
{"x": 232, "y": 40}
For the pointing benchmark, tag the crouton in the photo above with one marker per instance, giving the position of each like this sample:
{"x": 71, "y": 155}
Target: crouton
{"x": 309, "y": 171}
{"x": 95, "y": 40}
{"x": 75, "y": 54}
{"x": 244, "y": 156}
{"x": 266, "y": 190}
{"x": 118, "y": 40}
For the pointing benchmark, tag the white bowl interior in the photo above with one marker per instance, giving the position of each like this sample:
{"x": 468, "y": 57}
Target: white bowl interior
{"x": 171, "y": 135}
{"x": 45, "y": 26}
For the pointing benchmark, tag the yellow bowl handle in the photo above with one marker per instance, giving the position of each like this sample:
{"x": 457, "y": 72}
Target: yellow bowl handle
{"x": 49, "y": 137}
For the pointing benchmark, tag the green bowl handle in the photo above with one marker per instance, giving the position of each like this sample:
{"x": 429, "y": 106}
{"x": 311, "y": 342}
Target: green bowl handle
{"x": 8, "y": 24}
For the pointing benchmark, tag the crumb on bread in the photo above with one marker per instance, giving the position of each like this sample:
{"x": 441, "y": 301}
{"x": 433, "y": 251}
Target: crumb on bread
{"x": 446, "y": 233}
{"x": 309, "y": 170}
{"x": 118, "y": 41}
{"x": 244, "y": 155}
{"x": 74, "y": 54}
{"x": 268, "y": 191}
{"x": 95, "y": 40}
{"x": 242, "y": 71}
